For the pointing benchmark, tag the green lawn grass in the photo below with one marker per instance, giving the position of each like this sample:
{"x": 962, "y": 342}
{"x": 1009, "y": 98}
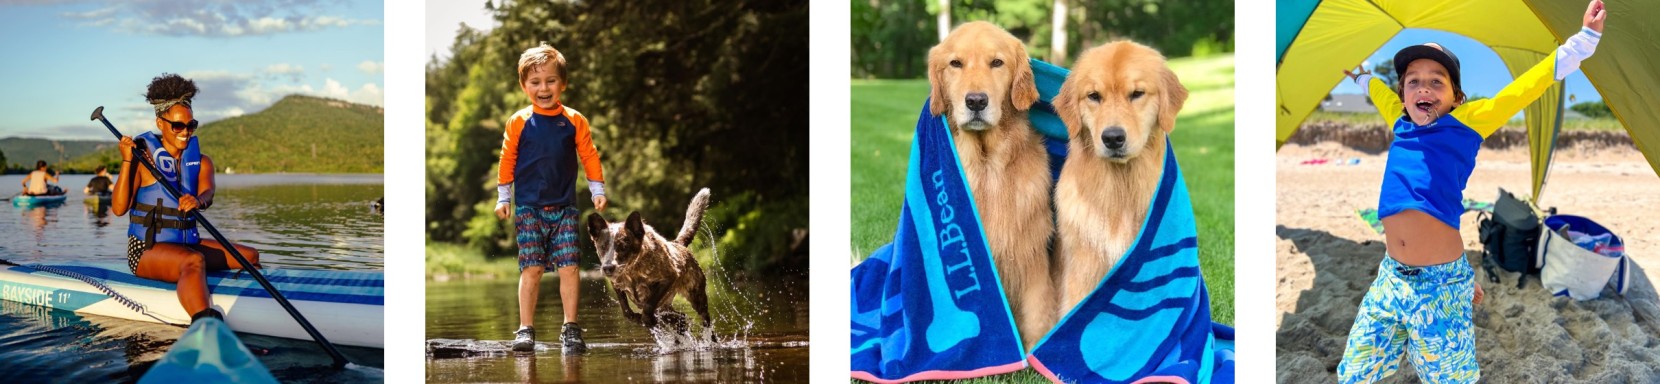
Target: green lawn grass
{"x": 884, "y": 118}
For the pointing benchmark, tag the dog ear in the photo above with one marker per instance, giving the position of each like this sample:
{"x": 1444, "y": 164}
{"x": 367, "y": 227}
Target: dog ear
{"x": 938, "y": 104}
{"x": 597, "y": 225}
{"x": 1175, "y": 95}
{"x": 1066, "y": 106}
{"x": 1023, "y": 91}
{"x": 635, "y": 224}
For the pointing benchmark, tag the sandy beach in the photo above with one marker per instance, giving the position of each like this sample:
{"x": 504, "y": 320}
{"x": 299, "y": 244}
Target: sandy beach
{"x": 1327, "y": 257}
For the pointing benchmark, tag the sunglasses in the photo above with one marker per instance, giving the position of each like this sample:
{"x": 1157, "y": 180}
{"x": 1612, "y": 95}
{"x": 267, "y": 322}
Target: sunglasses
{"x": 177, "y": 126}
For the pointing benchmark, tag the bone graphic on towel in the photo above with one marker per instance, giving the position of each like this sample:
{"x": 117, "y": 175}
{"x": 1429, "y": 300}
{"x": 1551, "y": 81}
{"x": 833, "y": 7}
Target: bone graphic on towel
{"x": 1157, "y": 324}
{"x": 951, "y": 324}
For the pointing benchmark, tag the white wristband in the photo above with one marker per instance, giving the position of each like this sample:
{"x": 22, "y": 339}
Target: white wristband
{"x": 1363, "y": 81}
{"x": 596, "y": 188}
{"x": 504, "y": 193}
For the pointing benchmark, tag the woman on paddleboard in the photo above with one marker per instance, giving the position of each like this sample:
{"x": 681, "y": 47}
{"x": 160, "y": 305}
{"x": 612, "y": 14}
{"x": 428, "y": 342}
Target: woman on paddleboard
{"x": 162, "y": 243}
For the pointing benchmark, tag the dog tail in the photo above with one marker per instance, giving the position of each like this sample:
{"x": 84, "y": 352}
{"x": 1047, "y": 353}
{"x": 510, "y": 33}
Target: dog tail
{"x": 694, "y": 217}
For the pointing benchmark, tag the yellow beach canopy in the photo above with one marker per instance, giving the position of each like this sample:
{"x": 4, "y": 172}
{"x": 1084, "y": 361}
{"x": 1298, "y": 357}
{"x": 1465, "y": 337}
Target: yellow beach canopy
{"x": 1317, "y": 40}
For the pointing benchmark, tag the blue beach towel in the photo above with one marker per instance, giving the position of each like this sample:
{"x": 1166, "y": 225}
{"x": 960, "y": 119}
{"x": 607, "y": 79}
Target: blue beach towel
{"x": 930, "y": 306}
{"x": 1149, "y": 319}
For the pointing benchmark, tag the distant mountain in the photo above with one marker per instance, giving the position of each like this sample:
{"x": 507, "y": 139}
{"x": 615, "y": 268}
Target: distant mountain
{"x": 21, "y": 153}
{"x": 298, "y": 134}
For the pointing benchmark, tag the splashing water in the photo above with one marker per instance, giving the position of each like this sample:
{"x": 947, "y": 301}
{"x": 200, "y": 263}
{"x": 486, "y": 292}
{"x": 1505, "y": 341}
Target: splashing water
{"x": 758, "y": 333}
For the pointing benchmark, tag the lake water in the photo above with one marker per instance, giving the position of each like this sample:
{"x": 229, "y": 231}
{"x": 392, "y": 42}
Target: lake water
{"x": 296, "y": 221}
{"x": 760, "y": 328}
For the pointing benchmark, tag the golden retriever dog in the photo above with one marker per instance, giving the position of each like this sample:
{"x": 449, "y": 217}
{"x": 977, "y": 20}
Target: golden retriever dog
{"x": 983, "y": 84}
{"x": 1119, "y": 103}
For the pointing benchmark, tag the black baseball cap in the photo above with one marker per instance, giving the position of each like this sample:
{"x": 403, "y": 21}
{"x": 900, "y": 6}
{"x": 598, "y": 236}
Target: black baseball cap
{"x": 1431, "y": 51}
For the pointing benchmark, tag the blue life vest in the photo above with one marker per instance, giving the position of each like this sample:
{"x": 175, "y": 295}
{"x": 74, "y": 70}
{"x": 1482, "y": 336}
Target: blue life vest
{"x": 155, "y": 215}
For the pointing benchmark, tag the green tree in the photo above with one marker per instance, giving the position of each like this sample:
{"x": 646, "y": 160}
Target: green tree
{"x": 1593, "y": 109}
{"x": 680, "y": 95}
{"x": 1386, "y": 71}
{"x": 891, "y": 37}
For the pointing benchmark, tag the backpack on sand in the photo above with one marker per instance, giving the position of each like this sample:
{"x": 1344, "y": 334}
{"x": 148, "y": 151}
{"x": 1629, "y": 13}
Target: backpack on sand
{"x": 1511, "y": 236}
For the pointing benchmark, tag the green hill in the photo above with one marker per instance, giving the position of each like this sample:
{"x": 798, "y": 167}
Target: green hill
{"x": 21, "y": 153}
{"x": 298, "y": 134}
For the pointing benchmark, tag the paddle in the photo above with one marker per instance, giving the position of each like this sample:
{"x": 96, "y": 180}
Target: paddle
{"x": 339, "y": 360}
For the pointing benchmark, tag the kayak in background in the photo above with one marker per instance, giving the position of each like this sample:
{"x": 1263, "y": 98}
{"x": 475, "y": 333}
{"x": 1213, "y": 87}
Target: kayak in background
{"x": 208, "y": 352}
{"x": 36, "y": 200}
{"x": 98, "y": 200}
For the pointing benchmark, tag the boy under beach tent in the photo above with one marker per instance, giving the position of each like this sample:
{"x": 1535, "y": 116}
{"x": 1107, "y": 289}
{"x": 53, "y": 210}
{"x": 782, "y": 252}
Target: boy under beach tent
{"x": 1326, "y": 37}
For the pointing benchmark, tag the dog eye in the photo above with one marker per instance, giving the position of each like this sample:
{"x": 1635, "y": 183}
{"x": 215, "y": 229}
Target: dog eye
{"x": 996, "y": 63}
{"x": 956, "y": 63}
{"x": 1095, "y": 96}
{"x": 1137, "y": 94}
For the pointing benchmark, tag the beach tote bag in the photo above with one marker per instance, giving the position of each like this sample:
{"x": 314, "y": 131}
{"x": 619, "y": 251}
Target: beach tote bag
{"x": 1574, "y": 271}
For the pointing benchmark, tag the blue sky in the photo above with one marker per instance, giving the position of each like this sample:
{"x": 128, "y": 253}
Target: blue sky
{"x": 66, "y": 57}
{"x": 1483, "y": 73}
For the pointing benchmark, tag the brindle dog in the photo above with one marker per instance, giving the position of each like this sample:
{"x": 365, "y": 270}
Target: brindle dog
{"x": 648, "y": 270}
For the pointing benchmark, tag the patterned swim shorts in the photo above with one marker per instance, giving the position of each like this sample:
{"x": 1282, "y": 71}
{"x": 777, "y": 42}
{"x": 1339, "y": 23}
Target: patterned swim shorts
{"x": 546, "y": 236}
{"x": 1421, "y": 311}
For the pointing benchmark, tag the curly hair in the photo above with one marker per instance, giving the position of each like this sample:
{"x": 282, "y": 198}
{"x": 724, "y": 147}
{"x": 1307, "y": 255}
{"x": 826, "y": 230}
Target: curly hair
{"x": 168, "y": 90}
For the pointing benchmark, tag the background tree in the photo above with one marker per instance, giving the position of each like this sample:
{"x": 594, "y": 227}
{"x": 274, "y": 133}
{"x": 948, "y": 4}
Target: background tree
{"x": 1593, "y": 109}
{"x": 891, "y": 37}
{"x": 680, "y": 95}
{"x": 1386, "y": 71}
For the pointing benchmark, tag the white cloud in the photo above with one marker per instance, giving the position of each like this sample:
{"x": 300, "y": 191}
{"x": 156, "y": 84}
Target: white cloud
{"x": 371, "y": 67}
{"x": 368, "y": 94}
{"x": 284, "y": 69}
{"x": 216, "y": 18}
{"x": 291, "y": 72}
{"x": 99, "y": 13}
{"x": 333, "y": 89}
{"x": 266, "y": 25}
{"x": 225, "y": 94}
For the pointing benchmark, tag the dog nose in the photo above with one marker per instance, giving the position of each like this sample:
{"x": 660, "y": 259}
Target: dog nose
{"x": 1113, "y": 138}
{"x": 976, "y": 101}
{"x": 609, "y": 269}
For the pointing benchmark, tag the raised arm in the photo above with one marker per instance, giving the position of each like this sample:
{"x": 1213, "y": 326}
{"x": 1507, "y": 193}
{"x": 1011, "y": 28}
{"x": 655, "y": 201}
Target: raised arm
{"x": 1487, "y": 116}
{"x": 1384, "y": 98}
{"x": 1388, "y": 102}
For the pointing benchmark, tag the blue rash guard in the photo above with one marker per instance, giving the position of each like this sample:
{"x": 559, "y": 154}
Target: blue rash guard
{"x": 1429, "y": 165}
{"x": 539, "y": 155}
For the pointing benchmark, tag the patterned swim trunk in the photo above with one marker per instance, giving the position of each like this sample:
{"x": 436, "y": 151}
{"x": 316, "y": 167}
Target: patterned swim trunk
{"x": 1421, "y": 311}
{"x": 547, "y": 236}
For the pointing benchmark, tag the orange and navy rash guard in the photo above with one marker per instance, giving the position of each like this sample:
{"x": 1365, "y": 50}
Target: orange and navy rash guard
{"x": 539, "y": 153}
